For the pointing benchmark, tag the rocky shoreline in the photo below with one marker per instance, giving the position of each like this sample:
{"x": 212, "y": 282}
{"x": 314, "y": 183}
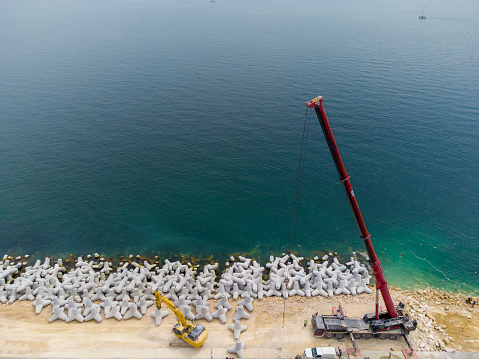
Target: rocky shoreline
{"x": 446, "y": 321}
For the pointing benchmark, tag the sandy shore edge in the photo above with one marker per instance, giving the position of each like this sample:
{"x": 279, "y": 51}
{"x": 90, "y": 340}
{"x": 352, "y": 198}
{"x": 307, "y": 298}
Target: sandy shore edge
{"x": 275, "y": 329}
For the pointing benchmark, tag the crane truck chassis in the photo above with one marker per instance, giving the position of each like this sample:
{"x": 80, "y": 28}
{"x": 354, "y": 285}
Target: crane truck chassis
{"x": 382, "y": 324}
{"x": 338, "y": 325}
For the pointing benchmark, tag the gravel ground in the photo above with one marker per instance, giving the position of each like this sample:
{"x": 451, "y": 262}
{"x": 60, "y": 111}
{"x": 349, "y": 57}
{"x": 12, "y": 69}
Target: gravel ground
{"x": 275, "y": 330}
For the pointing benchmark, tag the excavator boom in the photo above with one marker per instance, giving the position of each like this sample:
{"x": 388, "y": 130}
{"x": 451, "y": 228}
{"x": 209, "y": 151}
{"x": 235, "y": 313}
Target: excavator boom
{"x": 191, "y": 332}
{"x": 381, "y": 285}
{"x": 161, "y": 298}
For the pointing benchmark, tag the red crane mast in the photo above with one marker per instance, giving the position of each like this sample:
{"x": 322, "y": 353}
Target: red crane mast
{"x": 381, "y": 285}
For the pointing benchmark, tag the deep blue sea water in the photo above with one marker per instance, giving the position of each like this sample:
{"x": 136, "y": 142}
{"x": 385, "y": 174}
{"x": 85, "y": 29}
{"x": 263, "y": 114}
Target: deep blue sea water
{"x": 135, "y": 126}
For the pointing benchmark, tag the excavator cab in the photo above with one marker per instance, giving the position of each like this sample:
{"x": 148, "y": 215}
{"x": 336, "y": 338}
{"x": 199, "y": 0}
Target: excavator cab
{"x": 177, "y": 331}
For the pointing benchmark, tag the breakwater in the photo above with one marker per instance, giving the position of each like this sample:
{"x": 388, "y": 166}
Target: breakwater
{"x": 127, "y": 289}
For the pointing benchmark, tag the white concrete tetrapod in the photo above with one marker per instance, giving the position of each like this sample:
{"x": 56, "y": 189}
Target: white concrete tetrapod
{"x": 124, "y": 305}
{"x": 132, "y": 312}
{"x": 3, "y": 296}
{"x": 260, "y": 291}
{"x": 135, "y": 295}
{"x": 28, "y": 295}
{"x": 204, "y": 313}
{"x": 247, "y": 302}
{"x": 241, "y": 313}
{"x": 193, "y": 295}
{"x": 144, "y": 304}
{"x": 334, "y": 278}
{"x": 39, "y": 303}
{"x": 240, "y": 281}
{"x": 296, "y": 290}
{"x": 341, "y": 288}
{"x": 221, "y": 290}
{"x": 223, "y": 302}
{"x": 198, "y": 303}
{"x": 87, "y": 303}
{"x": 272, "y": 291}
{"x": 181, "y": 283}
{"x": 356, "y": 275}
{"x": 249, "y": 291}
{"x": 237, "y": 348}
{"x": 207, "y": 295}
{"x": 75, "y": 314}
{"x": 236, "y": 291}
{"x": 109, "y": 294}
{"x": 114, "y": 312}
{"x": 330, "y": 289}
{"x": 307, "y": 289}
{"x": 59, "y": 302}
{"x": 292, "y": 280}
{"x": 149, "y": 295}
{"x": 94, "y": 314}
{"x": 106, "y": 305}
{"x": 187, "y": 313}
{"x": 352, "y": 286}
{"x": 123, "y": 295}
{"x": 159, "y": 315}
{"x": 220, "y": 314}
{"x": 172, "y": 294}
{"x": 318, "y": 289}
{"x": 363, "y": 288}
{"x": 76, "y": 297}
{"x": 337, "y": 264}
{"x": 98, "y": 295}
{"x": 366, "y": 276}
{"x": 58, "y": 313}
{"x": 13, "y": 296}
{"x": 228, "y": 284}
{"x": 237, "y": 328}
{"x": 182, "y": 301}
{"x": 86, "y": 294}
{"x": 40, "y": 290}
{"x": 72, "y": 305}
{"x": 186, "y": 290}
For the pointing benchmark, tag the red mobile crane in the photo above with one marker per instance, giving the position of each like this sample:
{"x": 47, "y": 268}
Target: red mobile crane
{"x": 395, "y": 321}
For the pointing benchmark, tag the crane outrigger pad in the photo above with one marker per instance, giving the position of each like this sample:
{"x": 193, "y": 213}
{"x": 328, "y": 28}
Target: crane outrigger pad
{"x": 409, "y": 353}
{"x": 354, "y": 353}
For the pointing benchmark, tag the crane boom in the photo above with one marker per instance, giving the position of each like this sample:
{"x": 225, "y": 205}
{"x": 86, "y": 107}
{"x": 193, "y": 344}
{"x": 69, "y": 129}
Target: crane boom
{"x": 381, "y": 285}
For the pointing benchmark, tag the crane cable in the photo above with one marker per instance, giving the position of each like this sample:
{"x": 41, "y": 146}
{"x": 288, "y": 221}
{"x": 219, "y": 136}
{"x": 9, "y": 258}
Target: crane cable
{"x": 297, "y": 196}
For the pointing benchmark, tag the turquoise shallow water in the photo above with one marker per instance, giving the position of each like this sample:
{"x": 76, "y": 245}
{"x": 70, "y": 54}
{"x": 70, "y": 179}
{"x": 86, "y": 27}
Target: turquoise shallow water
{"x": 176, "y": 126}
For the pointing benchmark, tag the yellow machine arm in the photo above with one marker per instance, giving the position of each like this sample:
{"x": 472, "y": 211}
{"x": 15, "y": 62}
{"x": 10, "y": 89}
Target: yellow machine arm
{"x": 160, "y": 297}
{"x": 191, "y": 332}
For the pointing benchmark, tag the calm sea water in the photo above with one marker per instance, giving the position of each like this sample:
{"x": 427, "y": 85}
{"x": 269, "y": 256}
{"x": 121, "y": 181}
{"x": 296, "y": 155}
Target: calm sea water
{"x": 175, "y": 126}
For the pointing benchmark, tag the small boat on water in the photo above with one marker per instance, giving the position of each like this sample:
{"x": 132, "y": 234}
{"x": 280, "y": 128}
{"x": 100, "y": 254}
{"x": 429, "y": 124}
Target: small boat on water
{"x": 422, "y": 17}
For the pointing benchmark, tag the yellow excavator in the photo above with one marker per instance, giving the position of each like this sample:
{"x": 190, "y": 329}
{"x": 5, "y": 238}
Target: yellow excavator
{"x": 190, "y": 331}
